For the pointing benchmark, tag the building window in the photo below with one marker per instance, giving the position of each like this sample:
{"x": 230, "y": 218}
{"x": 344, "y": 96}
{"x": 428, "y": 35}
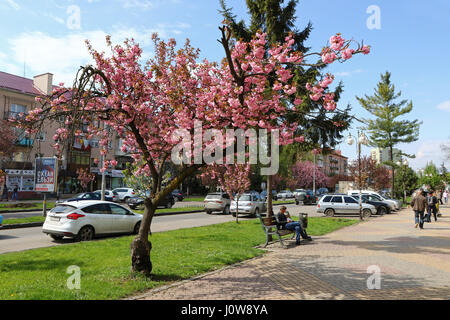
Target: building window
{"x": 16, "y": 110}
{"x": 40, "y": 136}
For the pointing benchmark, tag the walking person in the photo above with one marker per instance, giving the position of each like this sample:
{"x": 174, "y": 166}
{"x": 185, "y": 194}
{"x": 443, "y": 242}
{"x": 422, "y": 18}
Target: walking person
{"x": 432, "y": 202}
{"x": 439, "y": 196}
{"x": 445, "y": 195}
{"x": 419, "y": 204}
{"x": 15, "y": 195}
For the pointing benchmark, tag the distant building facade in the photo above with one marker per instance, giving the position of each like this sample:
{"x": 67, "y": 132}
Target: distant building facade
{"x": 333, "y": 163}
{"x": 383, "y": 155}
{"x": 17, "y": 98}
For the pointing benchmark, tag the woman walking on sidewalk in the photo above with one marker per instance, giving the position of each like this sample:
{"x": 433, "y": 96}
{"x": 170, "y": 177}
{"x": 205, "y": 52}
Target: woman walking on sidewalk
{"x": 445, "y": 196}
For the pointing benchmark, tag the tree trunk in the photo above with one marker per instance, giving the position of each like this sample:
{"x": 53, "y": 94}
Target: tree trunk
{"x": 141, "y": 246}
{"x": 237, "y": 209}
{"x": 393, "y": 171}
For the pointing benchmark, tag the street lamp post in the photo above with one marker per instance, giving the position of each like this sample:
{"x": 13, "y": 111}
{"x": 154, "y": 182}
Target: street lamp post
{"x": 361, "y": 140}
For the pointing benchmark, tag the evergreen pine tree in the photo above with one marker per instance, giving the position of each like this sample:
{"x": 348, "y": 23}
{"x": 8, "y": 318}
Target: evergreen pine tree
{"x": 385, "y": 130}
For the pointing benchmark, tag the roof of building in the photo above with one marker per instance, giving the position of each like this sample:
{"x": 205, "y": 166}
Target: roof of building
{"x": 16, "y": 83}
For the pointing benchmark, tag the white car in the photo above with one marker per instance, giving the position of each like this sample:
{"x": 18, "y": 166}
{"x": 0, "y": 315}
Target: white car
{"x": 285, "y": 194}
{"x": 330, "y": 204}
{"x": 393, "y": 204}
{"x": 248, "y": 204}
{"x": 297, "y": 192}
{"x": 86, "y": 219}
{"x": 125, "y": 193}
{"x": 110, "y": 194}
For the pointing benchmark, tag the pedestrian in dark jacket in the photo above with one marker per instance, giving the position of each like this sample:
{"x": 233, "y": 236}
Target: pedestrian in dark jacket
{"x": 419, "y": 205}
{"x": 432, "y": 202}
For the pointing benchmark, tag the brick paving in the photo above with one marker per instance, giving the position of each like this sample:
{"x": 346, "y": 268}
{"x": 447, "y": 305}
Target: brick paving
{"x": 413, "y": 263}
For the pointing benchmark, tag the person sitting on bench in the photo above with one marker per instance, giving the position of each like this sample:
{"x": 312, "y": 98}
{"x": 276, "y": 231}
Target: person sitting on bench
{"x": 285, "y": 222}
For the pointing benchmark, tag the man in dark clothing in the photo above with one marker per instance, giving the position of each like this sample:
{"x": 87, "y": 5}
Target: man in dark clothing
{"x": 432, "y": 201}
{"x": 419, "y": 204}
{"x": 285, "y": 222}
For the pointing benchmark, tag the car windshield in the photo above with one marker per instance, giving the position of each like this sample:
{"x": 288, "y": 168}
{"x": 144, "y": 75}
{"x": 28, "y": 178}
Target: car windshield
{"x": 62, "y": 208}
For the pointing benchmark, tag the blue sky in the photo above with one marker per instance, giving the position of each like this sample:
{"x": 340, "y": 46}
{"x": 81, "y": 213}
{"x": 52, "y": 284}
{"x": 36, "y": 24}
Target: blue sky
{"x": 412, "y": 43}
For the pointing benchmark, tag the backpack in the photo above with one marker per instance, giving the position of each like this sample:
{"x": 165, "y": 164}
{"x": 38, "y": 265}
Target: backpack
{"x": 432, "y": 201}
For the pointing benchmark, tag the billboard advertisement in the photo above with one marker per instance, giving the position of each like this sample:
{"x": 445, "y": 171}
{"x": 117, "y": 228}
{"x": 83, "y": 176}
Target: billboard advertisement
{"x": 46, "y": 174}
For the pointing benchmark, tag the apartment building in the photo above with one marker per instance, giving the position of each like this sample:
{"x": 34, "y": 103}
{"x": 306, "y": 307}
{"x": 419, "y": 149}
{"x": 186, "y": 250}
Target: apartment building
{"x": 383, "y": 155}
{"x": 333, "y": 163}
{"x": 17, "y": 98}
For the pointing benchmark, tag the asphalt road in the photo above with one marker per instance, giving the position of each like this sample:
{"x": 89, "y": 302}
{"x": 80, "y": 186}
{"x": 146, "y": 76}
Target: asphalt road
{"x": 31, "y": 238}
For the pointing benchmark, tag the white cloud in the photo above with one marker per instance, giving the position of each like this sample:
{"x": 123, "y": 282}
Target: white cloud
{"x": 348, "y": 73}
{"x": 141, "y": 4}
{"x": 63, "y": 55}
{"x": 444, "y": 106}
{"x": 425, "y": 151}
{"x": 13, "y": 4}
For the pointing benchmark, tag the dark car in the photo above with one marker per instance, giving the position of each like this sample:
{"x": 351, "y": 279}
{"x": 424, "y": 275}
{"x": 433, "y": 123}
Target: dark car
{"x": 263, "y": 195}
{"x": 87, "y": 196}
{"x": 138, "y": 202}
{"x": 178, "y": 194}
{"x": 306, "y": 197}
{"x": 382, "y": 207}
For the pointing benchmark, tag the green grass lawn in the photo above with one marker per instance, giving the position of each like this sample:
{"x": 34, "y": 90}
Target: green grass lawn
{"x": 105, "y": 264}
{"x": 28, "y": 206}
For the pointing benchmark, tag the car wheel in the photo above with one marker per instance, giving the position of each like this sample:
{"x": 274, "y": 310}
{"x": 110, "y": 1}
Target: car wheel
{"x": 366, "y": 213}
{"x": 169, "y": 205}
{"x": 255, "y": 213}
{"x": 226, "y": 210}
{"x": 126, "y": 199}
{"x": 208, "y": 212}
{"x": 297, "y": 202}
{"x": 382, "y": 211}
{"x": 56, "y": 237}
{"x": 233, "y": 214}
{"x": 86, "y": 234}
{"x": 136, "y": 228}
{"x": 329, "y": 213}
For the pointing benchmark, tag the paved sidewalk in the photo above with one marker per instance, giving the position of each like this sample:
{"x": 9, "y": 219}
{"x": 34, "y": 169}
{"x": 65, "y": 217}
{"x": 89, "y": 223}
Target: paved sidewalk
{"x": 414, "y": 264}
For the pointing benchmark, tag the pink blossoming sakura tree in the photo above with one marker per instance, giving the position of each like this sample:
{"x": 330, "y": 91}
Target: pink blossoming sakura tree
{"x": 233, "y": 178}
{"x": 145, "y": 104}
{"x": 85, "y": 177}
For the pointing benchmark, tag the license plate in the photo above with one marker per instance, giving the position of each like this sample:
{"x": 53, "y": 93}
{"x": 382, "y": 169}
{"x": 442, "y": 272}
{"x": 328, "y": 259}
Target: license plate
{"x": 56, "y": 219}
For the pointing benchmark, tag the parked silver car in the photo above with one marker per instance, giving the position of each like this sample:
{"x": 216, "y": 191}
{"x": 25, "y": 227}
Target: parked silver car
{"x": 343, "y": 204}
{"x": 285, "y": 194}
{"x": 217, "y": 202}
{"x": 251, "y": 204}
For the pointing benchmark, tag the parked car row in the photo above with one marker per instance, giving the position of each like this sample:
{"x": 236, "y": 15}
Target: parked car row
{"x": 371, "y": 203}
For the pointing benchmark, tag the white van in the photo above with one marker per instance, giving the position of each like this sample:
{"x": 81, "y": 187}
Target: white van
{"x": 393, "y": 204}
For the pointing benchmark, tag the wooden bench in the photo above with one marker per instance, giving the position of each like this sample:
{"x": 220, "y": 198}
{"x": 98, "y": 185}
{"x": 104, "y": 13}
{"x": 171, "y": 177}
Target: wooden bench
{"x": 269, "y": 226}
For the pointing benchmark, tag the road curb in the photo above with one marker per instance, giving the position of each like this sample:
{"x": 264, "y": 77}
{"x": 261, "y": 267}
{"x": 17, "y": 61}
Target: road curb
{"x": 22, "y": 225}
{"x": 19, "y": 211}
